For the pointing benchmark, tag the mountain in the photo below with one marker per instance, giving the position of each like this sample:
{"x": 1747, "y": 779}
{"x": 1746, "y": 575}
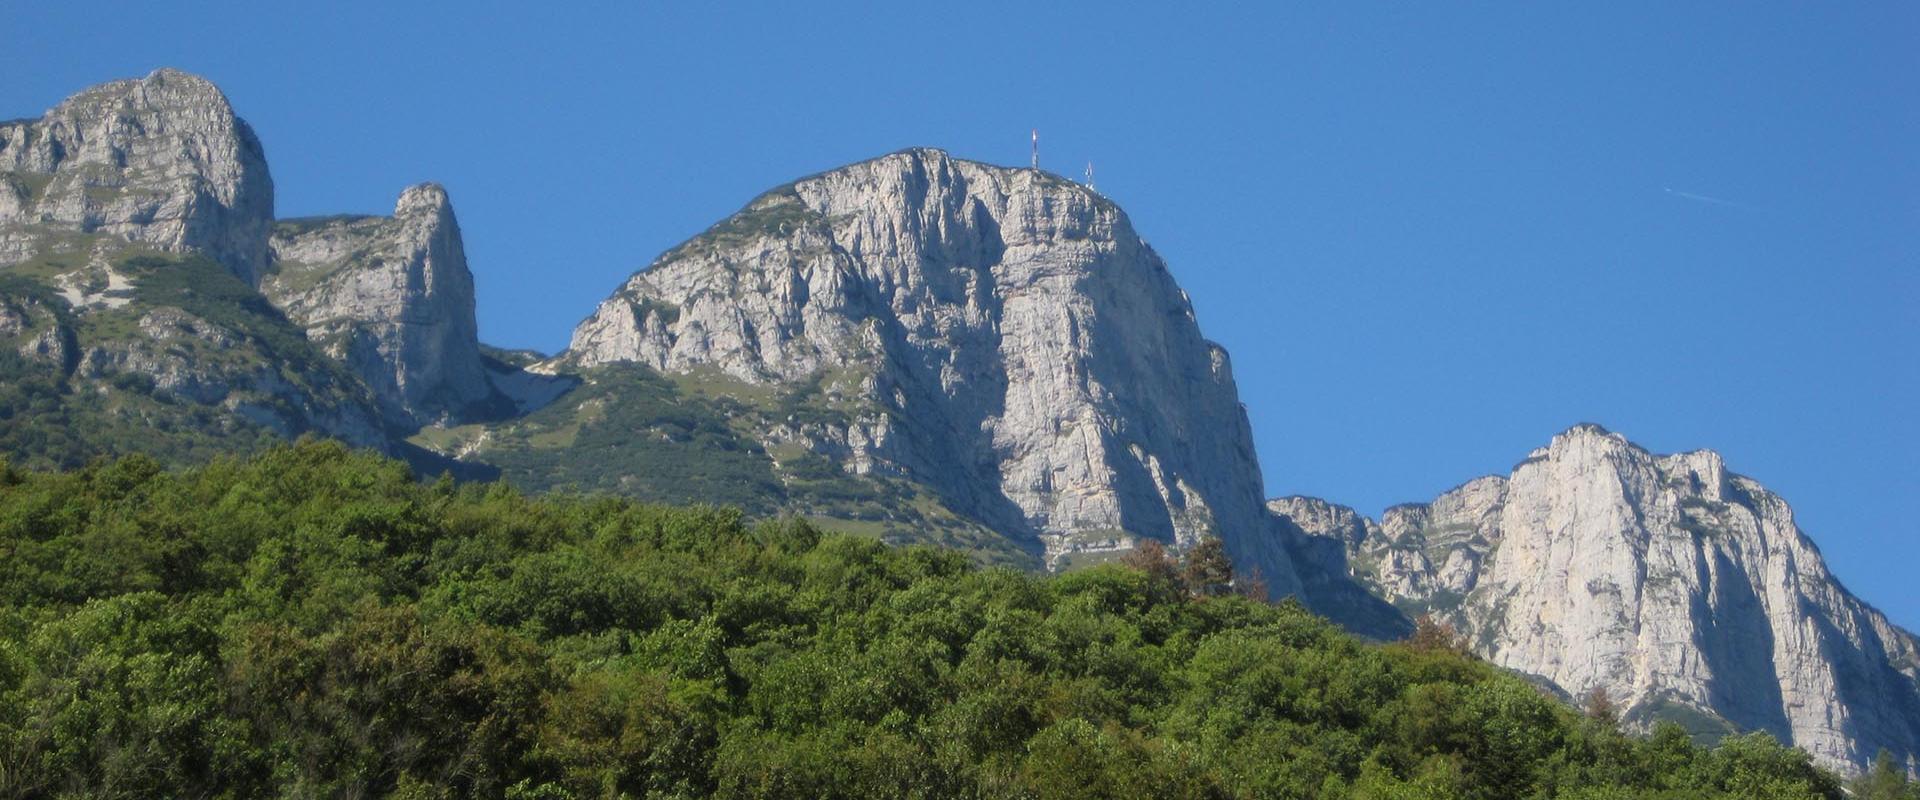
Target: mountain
{"x": 134, "y": 221}
{"x": 915, "y": 348}
{"x": 392, "y": 298}
{"x": 151, "y": 302}
{"x": 1001, "y": 337}
{"x": 160, "y": 162}
{"x": 1681, "y": 589}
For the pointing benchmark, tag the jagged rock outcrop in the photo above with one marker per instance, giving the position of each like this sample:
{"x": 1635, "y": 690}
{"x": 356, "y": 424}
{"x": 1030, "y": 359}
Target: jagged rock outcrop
{"x": 1319, "y": 536}
{"x": 392, "y": 298}
{"x": 134, "y": 219}
{"x": 37, "y": 330}
{"x": 160, "y": 161}
{"x": 1001, "y": 335}
{"x": 1683, "y": 590}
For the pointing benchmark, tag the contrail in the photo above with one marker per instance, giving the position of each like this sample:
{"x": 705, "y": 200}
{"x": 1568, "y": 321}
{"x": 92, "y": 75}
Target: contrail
{"x": 1706, "y": 199}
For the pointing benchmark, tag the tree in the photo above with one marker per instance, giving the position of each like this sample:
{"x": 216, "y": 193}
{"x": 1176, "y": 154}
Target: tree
{"x": 1150, "y": 556}
{"x": 1600, "y": 708}
{"x": 1251, "y": 585}
{"x": 311, "y": 622}
{"x": 1432, "y": 635}
{"x": 1886, "y": 780}
{"x": 1208, "y": 572}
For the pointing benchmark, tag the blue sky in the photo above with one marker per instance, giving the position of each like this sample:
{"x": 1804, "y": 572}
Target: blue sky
{"x": 1430, "y": 237}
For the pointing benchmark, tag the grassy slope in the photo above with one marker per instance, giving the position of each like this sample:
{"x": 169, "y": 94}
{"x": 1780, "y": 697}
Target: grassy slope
{"x": 697, "y": 438}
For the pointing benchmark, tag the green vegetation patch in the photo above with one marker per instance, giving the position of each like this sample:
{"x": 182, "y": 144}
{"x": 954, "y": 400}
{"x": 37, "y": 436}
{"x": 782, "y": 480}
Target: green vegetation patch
{"x": 58, "y": 251}
{"x": 696, "y": 437}
{"x": 633, "y": 431}
{"x": 28, "y": 186}
{"x": 777, "y": 213}
{"x": 54, "y": 418}
{"x": 298, "y": 226}
{"x": 1703, "y": 727}
{"x": 316, "y": 623}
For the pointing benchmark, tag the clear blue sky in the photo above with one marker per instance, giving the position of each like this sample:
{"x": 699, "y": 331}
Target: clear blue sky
{"x": 1430, "y": 238}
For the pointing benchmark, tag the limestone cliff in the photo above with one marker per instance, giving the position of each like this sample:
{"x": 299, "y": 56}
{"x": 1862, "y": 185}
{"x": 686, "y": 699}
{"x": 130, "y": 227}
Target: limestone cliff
{"x": 161, "y": 162}
{"x": 1683, "y": 590}
{"x": 1318, "y": 535}
{"x": 1001, "y": 335}
{"x": 133, "y": 227}
{"x": 391, "y": 297}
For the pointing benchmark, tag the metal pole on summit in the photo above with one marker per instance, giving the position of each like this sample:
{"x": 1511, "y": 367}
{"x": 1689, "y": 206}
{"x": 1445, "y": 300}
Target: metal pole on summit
{"x": 1036, "y": 149}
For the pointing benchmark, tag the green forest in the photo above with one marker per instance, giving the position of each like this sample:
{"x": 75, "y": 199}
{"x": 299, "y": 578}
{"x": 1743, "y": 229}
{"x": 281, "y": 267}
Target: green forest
{"x": 317, "y": 622}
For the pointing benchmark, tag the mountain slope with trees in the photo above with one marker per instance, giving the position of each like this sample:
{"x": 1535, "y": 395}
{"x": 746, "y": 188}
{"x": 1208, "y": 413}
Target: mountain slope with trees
{"x": 315, "y": 622}
{"x": 918, "y": 349}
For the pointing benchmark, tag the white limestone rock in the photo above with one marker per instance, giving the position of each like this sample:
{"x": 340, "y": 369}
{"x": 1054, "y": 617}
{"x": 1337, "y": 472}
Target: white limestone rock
{"x": 33, "y": 328}
{"x": 392, "y": 298}
{"x": 194, "y": 359}
{"x": 160, "y": 162}
{"x": 1000, "y": 335}
{"x": 1667, "y": 581}
{"x": 1323, "y": 538}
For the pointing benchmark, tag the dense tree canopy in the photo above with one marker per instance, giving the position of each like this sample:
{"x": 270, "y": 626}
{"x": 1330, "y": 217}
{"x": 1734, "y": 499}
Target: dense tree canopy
{"x": 313, "y": 622}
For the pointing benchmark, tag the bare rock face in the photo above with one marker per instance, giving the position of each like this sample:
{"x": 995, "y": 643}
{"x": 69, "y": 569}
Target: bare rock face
{"x": 1683, "y": 590}
{"x": 392, "y": 298}
{"x": 1002, "y": 335}
{"x": 1322, "y": 538}
{"x": 161, "y": 162}
{"x": 135, "y": 218}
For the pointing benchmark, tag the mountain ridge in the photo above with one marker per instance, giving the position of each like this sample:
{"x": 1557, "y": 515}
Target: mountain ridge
{"x": 1687, "y": 586}
{"x": 955, "y": 280}
{"x": 916, "y": 347}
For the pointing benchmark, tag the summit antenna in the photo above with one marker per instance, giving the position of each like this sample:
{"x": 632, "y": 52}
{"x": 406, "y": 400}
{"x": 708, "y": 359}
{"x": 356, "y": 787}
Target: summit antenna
{"x": 1036, "y": 148}
{"x": 1089, "y": 175}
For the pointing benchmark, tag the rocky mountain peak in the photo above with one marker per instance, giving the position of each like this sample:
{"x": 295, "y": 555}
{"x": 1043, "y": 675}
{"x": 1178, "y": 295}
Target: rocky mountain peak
{"x": 1585, "y": 440}
{"x": 1682, "y": 589}
{"x": 1001, "y": 335}
{"x": 425, "y": 198}
{"x": 393, "y": 298}
{"x": 161, "y": 161}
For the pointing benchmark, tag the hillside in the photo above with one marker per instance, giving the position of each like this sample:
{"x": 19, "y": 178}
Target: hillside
{"x": 915, "y": 349}
{"x": 317, "y": 623}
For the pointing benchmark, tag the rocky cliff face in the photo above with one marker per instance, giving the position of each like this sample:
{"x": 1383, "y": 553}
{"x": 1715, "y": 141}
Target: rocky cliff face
{"x": 391, "y": 297}
{"x": 133, "y": 227}
{"x": 915, "y": 343}
{"x": 161, "y": 162}
{"x": 1319, "y": 536}
{"x": 1683, "y": 590}
{"x": 1001, "y": 335}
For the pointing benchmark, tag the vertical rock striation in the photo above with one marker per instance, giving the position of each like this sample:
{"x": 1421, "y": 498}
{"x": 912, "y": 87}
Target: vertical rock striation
{"x": 161, "y": 162}
{"x": 1002, "y": 336}
{"x": 1683, "y": 590}
{"x": 392, "y": 298}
